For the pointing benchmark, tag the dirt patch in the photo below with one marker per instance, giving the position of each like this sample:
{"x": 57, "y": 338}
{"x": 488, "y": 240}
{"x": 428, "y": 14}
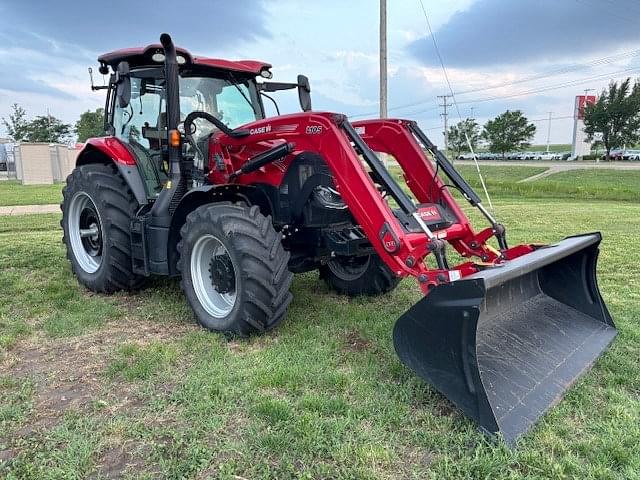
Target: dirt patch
{"x": 354, "y": 342}
{"x": 69, "y": 373}
{"x": 118, "y": 460}
{"x": 6, "y": 455}
{"x": 445, "y": 409}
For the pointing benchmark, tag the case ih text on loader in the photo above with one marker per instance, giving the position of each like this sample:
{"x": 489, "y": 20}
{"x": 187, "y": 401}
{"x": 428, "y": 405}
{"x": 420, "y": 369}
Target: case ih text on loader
{"x": 194, "y": 182}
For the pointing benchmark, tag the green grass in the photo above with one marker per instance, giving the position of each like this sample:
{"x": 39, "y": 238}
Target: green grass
{"x": 498, "y": 175}
{"x": 593, "y": 184}
{"x": 589, "y": 184}
{"x": 13, "y": 193}
{"x": 554, "y": 147}
{"x": 323, "y": 396}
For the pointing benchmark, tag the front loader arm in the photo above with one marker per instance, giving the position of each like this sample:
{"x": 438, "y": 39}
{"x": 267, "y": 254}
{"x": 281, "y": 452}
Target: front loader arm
{"x": 333, "y": 137}
{"x": 404, "y": 140}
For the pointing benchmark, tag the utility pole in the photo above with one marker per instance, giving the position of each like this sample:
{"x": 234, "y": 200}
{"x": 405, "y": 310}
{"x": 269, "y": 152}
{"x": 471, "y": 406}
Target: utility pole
{"x": 383, "y": 65}
{"x": 383, "y": 58}
{"x": 445, "y": 116}
{"x": 472, "y": 109}
{"x": 549, "y": 131}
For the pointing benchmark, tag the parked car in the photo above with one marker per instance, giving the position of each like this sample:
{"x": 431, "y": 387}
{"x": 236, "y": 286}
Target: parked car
{"x": 547, "y": 156}
{"x": 614, "y": 154}
{"x": 631, "y": 155}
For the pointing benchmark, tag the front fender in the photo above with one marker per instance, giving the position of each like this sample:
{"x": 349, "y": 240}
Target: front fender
{"x": 110, "y": 149}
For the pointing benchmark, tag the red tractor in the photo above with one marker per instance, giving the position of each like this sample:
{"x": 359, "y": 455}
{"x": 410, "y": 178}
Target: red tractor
{"x": 193, "y": 181}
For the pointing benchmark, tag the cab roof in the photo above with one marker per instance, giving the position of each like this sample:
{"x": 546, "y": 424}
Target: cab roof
{"x": 142, "y": 56}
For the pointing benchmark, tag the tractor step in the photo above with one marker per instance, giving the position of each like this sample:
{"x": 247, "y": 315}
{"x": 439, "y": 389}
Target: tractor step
{"x": 139, "y": 257}
{"x": 347, "y": 241}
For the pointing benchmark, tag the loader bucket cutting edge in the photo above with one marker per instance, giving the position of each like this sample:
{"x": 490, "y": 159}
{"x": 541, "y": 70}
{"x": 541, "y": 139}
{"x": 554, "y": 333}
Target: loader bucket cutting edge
{"x": 505, "y": 344}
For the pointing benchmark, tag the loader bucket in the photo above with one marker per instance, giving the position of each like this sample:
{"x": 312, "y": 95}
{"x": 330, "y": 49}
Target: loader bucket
{"x": 505, "y": 344}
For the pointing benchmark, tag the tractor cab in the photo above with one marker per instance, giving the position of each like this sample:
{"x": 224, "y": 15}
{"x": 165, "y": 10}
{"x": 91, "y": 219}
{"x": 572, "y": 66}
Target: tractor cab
{"x": 136, "y": 103}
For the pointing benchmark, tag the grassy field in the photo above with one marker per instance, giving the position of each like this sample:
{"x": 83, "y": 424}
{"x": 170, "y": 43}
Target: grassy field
{"x": 591, "y": 184}
{"x": 502, "y": 181}
{"x": 95, "y": 386}
{"x": 13, "y": 193}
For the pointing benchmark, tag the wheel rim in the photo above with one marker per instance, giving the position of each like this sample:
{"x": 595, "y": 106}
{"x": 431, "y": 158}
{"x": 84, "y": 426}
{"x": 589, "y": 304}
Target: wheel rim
{"x": 351, "y": 269}
{"x": 85, "y": 232}
{"x": 213, "y": 276}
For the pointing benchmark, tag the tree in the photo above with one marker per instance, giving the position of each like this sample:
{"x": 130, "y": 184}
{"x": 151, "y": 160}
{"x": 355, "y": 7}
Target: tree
{"x": 457, "y": 138}
{"x": 616, "y": 114}
{"x": 91, "y": 124}
{"x": 17, "y": 124}
{"x": 508, "y": 131}
{"x": 47, "y": 128}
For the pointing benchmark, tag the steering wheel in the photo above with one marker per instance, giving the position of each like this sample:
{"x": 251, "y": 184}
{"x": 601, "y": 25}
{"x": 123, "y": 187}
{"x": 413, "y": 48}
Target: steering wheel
{"x": 193, "y": 128}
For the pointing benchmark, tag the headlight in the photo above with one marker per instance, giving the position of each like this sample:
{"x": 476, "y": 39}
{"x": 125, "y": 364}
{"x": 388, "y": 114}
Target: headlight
{"x": 266, "y": 73}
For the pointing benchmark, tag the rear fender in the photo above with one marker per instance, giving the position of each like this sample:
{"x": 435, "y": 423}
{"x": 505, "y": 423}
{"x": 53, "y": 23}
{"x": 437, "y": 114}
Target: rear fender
{"x": 206, "y": 195}
{"x": 111, "y": 150}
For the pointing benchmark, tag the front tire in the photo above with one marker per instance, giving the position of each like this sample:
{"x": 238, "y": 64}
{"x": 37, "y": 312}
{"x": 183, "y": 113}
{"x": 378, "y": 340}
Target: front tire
{"x": 234, "y": 269}
{"x": 97, "y": 208}
{"x": 367, "y": 275}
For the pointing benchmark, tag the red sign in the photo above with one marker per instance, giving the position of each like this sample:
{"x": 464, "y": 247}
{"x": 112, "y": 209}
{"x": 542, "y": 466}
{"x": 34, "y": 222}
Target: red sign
{"x": 581, "y": 102}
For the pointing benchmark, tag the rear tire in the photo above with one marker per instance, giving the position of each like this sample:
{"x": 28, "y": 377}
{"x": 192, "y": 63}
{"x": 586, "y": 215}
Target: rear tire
{"x": 234, "y": 269}
{"x": 359, "y": 276}
{"x": 97, "y": 208}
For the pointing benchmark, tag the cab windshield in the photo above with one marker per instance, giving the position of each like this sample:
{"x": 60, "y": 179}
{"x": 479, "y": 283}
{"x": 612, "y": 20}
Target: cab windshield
{"x": 230, "y": 100}
{"x": 142, "y": 123}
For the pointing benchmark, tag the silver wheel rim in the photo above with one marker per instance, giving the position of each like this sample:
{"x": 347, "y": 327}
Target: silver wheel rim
{"x": 85, "y": 232}
{"x": 349, "y": 270}
{"x": 215, "y": 303}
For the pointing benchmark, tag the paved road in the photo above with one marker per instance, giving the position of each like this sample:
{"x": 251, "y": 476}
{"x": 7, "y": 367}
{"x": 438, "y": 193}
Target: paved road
{"x": 29, "y": 209}
{"x": 557, "y": 166}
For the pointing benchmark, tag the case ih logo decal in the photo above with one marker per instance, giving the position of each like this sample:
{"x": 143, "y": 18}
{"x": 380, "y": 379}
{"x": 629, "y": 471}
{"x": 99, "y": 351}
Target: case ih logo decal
{"x": 360, "y": 130}
{"x": 429, "y": 213}
{"x": 314, "y": 129}
{"x": 259, "y": 130}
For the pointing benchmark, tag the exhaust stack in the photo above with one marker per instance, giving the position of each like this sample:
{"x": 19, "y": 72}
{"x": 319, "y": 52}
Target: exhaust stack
{"x": 174, "y": 188}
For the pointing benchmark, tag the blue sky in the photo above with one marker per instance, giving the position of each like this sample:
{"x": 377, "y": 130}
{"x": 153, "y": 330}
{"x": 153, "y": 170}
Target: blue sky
{"x": 492, "y": 49}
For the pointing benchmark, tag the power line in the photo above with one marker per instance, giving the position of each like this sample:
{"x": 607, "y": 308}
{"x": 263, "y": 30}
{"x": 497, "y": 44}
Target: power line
{"x": 549, "y": 88}
{"x": 560, "y": 71}
{"x": 446, "y": 77}
{"x": 553, "y": 87}
{"x": 596, "y": 62}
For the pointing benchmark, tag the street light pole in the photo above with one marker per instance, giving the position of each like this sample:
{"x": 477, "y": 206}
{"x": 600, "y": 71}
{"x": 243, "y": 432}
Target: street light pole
{"x": 549, "y": 131}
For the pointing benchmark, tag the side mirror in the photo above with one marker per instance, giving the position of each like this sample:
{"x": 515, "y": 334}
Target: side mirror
{"x": 123, "y": 84}
{"x": 304, "y": 93}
